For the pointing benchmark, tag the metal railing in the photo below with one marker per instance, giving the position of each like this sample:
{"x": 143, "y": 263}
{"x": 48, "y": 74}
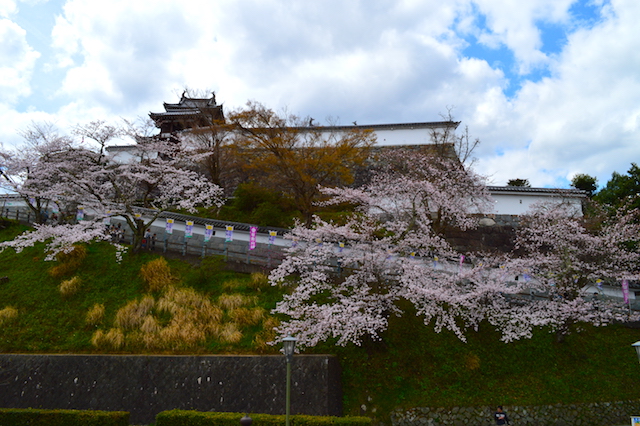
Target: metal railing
{"x": 264, "y": 255}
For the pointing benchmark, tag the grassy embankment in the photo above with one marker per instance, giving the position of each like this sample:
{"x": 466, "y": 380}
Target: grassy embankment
{"x": 204, "y": 309}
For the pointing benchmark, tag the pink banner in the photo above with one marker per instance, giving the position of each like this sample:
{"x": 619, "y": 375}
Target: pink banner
{"x": 625, "y": 290}
{"x": 253, "y": 233}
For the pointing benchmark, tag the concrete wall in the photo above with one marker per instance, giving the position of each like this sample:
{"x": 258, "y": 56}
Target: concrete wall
{"x": 521, "y": 203}
{"x": 147, "y": 385}
{"x": 594, "y": 414}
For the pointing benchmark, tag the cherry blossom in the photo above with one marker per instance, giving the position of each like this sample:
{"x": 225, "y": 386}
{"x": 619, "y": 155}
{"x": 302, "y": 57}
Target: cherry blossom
{"x": 348, "y": 279}
{"x": 157, "y": 177}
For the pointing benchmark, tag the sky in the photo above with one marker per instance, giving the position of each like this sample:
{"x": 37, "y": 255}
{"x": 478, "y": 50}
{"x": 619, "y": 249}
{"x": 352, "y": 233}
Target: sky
{"x": 550, "y": 87}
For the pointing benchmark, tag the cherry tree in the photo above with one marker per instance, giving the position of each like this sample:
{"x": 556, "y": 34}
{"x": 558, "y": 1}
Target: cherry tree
{"x": 103, "y": 185}
{"x": 19, "y": 166}
{"x": 348, "y": 279}
{"x": 559, "y": 255}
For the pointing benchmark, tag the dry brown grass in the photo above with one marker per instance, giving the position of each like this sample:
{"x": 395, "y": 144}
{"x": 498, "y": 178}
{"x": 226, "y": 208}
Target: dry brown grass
{"x": 69, "y": 262}
{"x": 233, "y": 301}
{"x": 8, "y": 314}
{"x": 132, "y": 315}
{"x": 230, "y": 333}
{"x": 268, "y": 334}
{"x": 180, "y": 335}
{"x": 70, "y": 287}
{"x": 259, "y": 280}
{"x": 95, "y": 315}
{"x": 246, "y": 316}
{"x": 178, "y": 320}
{"x": 150, "y": 325}
{"x": 472, "y": 362}
{"x": 232, "y": 285}
{"x": 157, "y": 274}
{"x": 114, "y": 338}
{"x": 181, "y": 318}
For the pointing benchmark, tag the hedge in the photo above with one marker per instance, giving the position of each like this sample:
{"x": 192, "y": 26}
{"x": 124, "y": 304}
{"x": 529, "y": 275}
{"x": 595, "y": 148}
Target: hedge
{"x": 197, "y": 418}
{"x": 37, "y": 417}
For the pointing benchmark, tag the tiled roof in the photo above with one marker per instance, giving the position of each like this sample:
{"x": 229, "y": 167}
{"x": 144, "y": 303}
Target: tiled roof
{"x": 390, "y": 126}
{"x": 547, "y": 191}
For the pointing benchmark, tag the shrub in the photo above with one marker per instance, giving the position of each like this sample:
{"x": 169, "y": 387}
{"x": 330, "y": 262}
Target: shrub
{"x": 132, "y": 314}
{"x": 259, "y": 280}
{"x": 197, "y": 418}
{"x": 157, "y": 274}
{"x": 69, "y": 262}
{"x": 114, "y": 338}
{"x": 234, "y": 284}
{"x": 266, "y": 335}
{"x": 34, "y": 417}
{"x": 232, "y": 301}
{"x": 229, "y": 333}
{"x": 246, "y": 316}
{"x": 70, "y": 287}
{"x": 8, "y": 314}
{"x": 95, "y": 315}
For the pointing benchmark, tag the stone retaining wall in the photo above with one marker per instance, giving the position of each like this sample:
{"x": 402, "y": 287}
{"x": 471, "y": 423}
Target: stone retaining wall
{"x": 147, "y": 385}
{"x": 594, "y": 414}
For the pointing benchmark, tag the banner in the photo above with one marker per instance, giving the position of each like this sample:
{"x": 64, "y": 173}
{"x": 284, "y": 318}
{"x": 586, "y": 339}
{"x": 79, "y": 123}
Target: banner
{"x": 460, "y": 264}
{"x": 169, "y": 226}
{"x": 625, "y": 290}
{"x": 188, "y": 229}
{"x": 340, "y": 247}
{"x": 229, "y": 234}
{"x": 253, "y": 234}
{"x": 272, "y": 237}
{"x": 80, "y": 214}
{"x": 208, "y": 232}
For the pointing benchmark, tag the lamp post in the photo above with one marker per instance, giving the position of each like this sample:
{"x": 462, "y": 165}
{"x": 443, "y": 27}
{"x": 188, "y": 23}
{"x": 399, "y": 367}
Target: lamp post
{"x": 288, "y": 345}
{"x": 636, "y": 345}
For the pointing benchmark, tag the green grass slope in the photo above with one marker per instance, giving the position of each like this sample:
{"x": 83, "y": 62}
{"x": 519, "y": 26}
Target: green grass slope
{"x": 411, "y": 366}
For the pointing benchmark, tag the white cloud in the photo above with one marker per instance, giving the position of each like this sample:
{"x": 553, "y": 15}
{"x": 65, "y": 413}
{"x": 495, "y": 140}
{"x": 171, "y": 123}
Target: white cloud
{"x": 588, "y": 111}
{"x": 514, "y": 24}
{"x": 7, "y": 8}
{"x": 370, "y": 61}
{"x": 119, "y": 52}
{"x": 17, "y": 60}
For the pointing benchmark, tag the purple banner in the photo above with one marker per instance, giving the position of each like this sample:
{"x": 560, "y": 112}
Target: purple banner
{"x": 188, "y": 229}
{"x": 208, "y": 232}
{"x": 169, "y": 226}
{"x": 229, "y": 234}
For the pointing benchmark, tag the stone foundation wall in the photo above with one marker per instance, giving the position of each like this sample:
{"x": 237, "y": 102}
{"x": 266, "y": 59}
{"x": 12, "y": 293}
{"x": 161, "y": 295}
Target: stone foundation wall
{"x": 595, "y": 414}
{"x": 147, "y": 385}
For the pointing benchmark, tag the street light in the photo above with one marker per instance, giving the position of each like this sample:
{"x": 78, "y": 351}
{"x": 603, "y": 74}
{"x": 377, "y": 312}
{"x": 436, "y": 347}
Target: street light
{"x": 288, "y": 345}
{"x": 637, "y": 346}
